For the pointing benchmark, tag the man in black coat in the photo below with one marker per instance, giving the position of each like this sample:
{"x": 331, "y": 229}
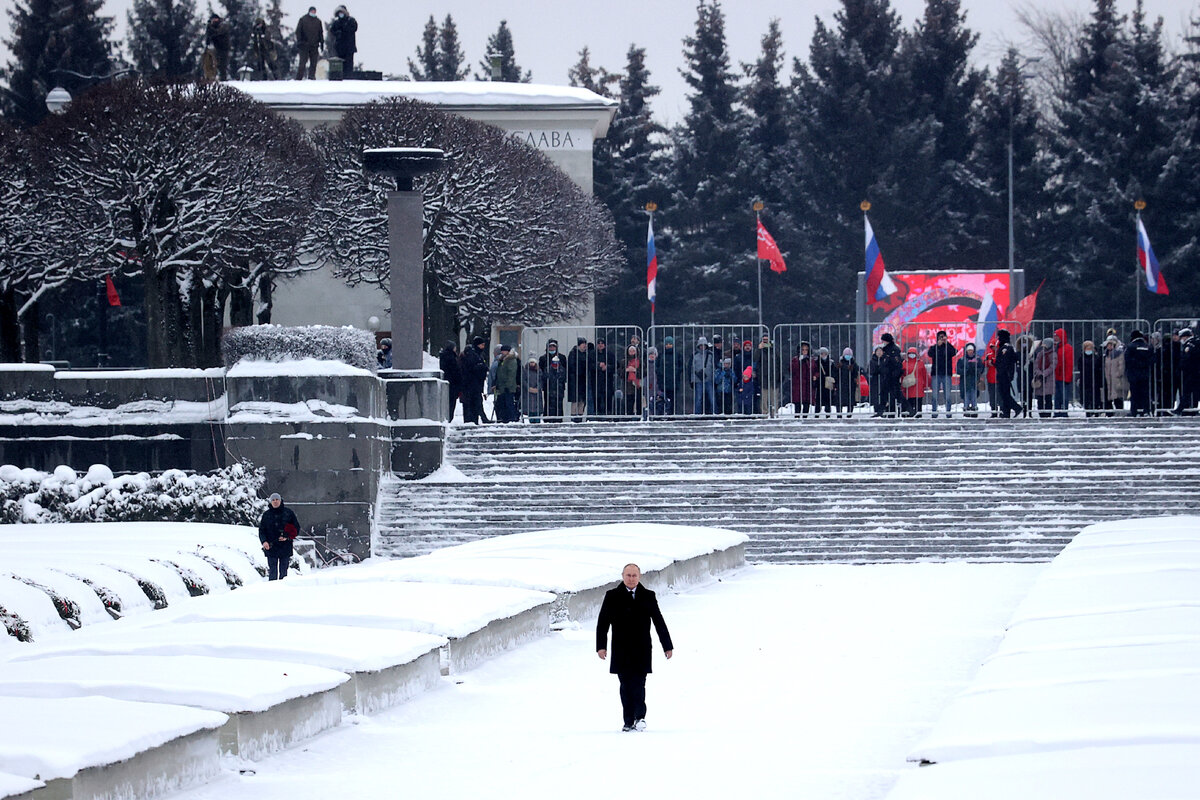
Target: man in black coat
{"x": 216, "y": 36}
{"x": 891, "y": 367}
{"x": 1189, "y": 374}
{"x": 629, "y": 609}
{"x": 1006, "y": 369}
{"x": 553, "y": 367}
{"x": 606, "y": 377}
{"x": 474, "y": 369}
{"x": 277, "y": 530}
{"x": 451, "y": 372}
{"x": 343, "y": 30}
{"x": 1139, "y": 363}
{"x": 310, "y": 37}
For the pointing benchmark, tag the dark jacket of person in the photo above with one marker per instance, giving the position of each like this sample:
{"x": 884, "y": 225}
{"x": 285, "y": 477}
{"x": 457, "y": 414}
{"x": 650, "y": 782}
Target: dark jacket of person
{"x": 342, "y": 30}
{"x": 942, "y": 358}
{"x": 310, "y": 34}
{"x": 278, "y": 526}
{"x": 554, "y": 373}
{"x": 451, "y": 369}
{"x": 1006, "y": 358}
{"x": 1139, "y": 361}
{"x": 216, "y": 35}
{"x": 891, "y": 365}
{"x": 630, "y": 616}
{"x": 262, "y": 45}
{"x": 1091, "y": 379}
{"x": 581, "y": 365}
{"x": 848, "y": 391}
{"x": 474, "y": 370}
{"x": 606, "y": 379}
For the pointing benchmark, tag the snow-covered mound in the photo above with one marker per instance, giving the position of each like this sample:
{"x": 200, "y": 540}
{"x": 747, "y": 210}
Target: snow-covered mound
{"x": 1102, "y": 657}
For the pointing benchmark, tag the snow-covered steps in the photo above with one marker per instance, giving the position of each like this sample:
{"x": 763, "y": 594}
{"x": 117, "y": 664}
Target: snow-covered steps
{"x": 856, "y": 490}
{"x": 1096, "y": 683}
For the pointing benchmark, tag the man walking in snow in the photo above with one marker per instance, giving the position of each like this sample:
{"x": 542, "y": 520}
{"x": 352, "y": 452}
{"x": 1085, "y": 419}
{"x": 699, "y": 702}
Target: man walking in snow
{"x": 629, "y": 609}
{"x": 276, "y": 530}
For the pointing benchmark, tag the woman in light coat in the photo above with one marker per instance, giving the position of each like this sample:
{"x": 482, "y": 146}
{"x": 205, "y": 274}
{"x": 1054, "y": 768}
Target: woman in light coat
{"x": 1044, "y": 362}
{"x": 1115, "y": 384}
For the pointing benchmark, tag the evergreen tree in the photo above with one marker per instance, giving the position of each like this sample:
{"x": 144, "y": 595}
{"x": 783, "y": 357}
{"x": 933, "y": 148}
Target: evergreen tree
{"x": 240, "y": 16}
{"x": 426, "y": 67}
{"x": 452, "y": 63}
{"x": 846, "y": 141}
{"x": 594, "y": 79}
{"x": 48, "y": 37}
{"x": 1113, "y": 144}
{"x": 708, "y": 214}
{"x": 1009, "y": 113}
{"x": 1177, "y": 238}
{"x": 630, "y": 162}
{"x": 166, "y": 38}
{"x": 283, "y": 36}
{"x": 500, "y": 44}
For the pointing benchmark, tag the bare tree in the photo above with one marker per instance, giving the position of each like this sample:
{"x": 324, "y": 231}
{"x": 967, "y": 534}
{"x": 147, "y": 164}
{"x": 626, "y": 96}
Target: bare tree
{"x": 201, "y": 189}
{"x": 1053, "y": 40}
{"x": 507, "y": 234}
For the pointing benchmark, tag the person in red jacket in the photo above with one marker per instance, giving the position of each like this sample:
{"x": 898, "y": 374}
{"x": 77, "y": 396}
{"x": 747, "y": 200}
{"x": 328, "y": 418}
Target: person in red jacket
{"x": 913, "y": 383}
{"x": 990, "y": 361}
{"x": 1064, "y": 373}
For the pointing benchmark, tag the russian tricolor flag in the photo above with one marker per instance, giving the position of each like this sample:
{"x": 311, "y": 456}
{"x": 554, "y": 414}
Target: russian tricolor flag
{"x": 879, "y": 283}
{"x": 987, "y": 322}
{"x": 651, "y": 264}
{"x": 1155, "y": 282}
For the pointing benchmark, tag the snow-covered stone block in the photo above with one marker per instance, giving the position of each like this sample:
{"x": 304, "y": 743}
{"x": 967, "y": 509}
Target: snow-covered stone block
{"x": 350, "y": 346}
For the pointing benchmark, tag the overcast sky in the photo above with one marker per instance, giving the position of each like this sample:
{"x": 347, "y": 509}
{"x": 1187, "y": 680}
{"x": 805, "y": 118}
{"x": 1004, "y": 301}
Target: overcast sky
{"x": 548, "y": 34}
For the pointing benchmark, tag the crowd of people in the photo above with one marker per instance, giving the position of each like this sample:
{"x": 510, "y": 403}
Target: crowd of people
{"x": 1018, "y": 376}
{"x": 263, "y": 55}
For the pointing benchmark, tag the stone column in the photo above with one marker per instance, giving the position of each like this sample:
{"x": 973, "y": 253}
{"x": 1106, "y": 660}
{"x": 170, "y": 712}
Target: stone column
{"x": 405, "y": 240}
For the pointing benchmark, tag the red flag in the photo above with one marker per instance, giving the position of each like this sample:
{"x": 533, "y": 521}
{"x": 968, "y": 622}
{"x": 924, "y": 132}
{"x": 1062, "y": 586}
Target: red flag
{"x": 1023, "y": 311}
{"x": 769, "y": 251}
{"x": 114, "y": 299}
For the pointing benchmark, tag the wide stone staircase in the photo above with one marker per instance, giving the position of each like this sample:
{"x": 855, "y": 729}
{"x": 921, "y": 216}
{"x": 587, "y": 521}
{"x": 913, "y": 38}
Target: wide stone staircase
{"x": 806, "y": 490}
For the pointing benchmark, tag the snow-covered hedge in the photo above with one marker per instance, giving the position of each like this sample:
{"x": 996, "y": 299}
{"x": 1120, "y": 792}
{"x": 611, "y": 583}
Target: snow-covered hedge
{"x": 351, "y": 346}
{"x": 229, "y": 495}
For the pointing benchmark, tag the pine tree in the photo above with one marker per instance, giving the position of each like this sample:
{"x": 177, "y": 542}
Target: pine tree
{"x": 166, "y": 38}
{"x": 500, "y": 44}
{"x": 240, "y": 16}
{"x": 1008, "y": 113}
{"x": 1177, "y": 239}
{"x": 845, "y": 145}
{"x": 1113, "y": 143}
{"x": 426, "y": 67}
{"x": 452, "y": 63}
{"x": 594, "y": 79}
{"x": 47, "y": 37}
{"x": 634, "y": 155}
{"x": 283, "y": 36}
{"x": 708, "y": 214}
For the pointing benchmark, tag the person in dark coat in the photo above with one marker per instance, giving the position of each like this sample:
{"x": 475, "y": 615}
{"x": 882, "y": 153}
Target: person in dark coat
{"x": 826, "y": 386}
{"x": 580, "y": 368}
{"x": 1091, "y": 380}
{"x": 342, "y": 30}
{"x": 216, "y": 37}
{"x": 874, "y": 380}
{"x": 277, "y": 530}
{"x": 474, "y": 368}
{"x": 941, "y": 369}
{"x": 553, "y": 366}
{"x": 890, "y": 370}
{"x": 1189, "y": 373}
{"x": 452, "y": 373}
{"x": 606, "y": 379}
{"x": 1139, "y": 364}
{"x": 266, "y": 59}
{"x": 383, "y": 356}
{"x": 673, "y": 378}
{"x": 629, "y": 609}
{"x": 847, "y": 373}
{"x": 1006, "y": 367}
{"x": 310, "y": 38}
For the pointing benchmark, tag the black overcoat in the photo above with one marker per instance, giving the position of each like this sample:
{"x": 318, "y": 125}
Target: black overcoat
{"x": 630, "y": 616}
{"x": 273, "y": 528}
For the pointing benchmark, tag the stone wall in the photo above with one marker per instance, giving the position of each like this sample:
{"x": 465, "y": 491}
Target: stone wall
{"x": 326, "y": 457}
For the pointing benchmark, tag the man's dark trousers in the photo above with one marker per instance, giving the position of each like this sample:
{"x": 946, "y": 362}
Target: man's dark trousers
{"x": 277, "y": 567}
{"x": 633, "y": 696}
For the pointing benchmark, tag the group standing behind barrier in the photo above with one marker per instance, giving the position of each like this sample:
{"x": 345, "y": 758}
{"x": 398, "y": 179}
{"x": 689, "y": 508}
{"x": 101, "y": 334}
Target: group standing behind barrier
{"x": 726, "y": 371}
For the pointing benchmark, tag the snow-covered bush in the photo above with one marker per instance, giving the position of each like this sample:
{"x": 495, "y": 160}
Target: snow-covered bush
{"x": 67, "y": 608}
{"x": 15, "y": 626}
{"x": 351, "y": 346}
{"x": 229, "y": 495}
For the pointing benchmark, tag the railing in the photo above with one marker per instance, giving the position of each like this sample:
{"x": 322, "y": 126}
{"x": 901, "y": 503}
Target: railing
{"x": 824, "y": 369}
{"x": 1167, "y": 380}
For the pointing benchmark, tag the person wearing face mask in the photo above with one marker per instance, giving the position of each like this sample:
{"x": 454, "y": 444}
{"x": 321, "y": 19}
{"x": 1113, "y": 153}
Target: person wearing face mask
{"x": 342, "y": 30}
{"x": 553, "y": 366}
{"x": 846, "y": 375}
{"x": 310, "y": 38}
{"x": 914, "y": 383}
{"x": 826, "y": 383}
{"x": 1091, "y": 380}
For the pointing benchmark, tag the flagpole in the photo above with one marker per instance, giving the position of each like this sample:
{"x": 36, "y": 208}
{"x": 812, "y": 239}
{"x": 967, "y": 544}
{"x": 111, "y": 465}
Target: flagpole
{"x": 758, "y": 207}
{"x": 1137, "y": 277}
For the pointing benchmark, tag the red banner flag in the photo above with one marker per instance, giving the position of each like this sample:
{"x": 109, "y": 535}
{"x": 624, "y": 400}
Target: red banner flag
{"x": 1023, "y": 311}
{"x": 114, "y": 299}
{"x": 769, "y": 251}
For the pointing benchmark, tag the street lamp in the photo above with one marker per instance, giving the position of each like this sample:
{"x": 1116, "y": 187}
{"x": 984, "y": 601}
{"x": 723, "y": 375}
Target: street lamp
{"x": 59, "y": 98}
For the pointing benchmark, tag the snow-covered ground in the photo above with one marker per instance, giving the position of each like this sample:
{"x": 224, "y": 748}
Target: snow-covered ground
{"x": 808, "y": 681}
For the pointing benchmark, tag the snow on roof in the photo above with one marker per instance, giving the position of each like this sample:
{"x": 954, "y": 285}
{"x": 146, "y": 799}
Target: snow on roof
{"x": 73, "y": 734}
{"x": 344, "y": 648}
{"x": 247, "y": 368}
{"x": 451, "y": 94}
{"x": 217, "y": 684}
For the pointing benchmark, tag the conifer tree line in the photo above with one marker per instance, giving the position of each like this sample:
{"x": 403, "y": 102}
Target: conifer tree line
{"x": 901, "y": 117}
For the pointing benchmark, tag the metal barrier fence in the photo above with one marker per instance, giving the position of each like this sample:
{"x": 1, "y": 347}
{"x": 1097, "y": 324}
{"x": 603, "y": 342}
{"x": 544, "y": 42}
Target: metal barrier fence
{"x": 618, "y": 372}
{"x": 695, "y": 380}
{"x": 582, "y": 372}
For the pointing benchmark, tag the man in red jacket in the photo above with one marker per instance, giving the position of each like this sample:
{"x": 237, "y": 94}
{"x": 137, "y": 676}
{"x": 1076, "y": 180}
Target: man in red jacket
{"x": 1064, "y": 372}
